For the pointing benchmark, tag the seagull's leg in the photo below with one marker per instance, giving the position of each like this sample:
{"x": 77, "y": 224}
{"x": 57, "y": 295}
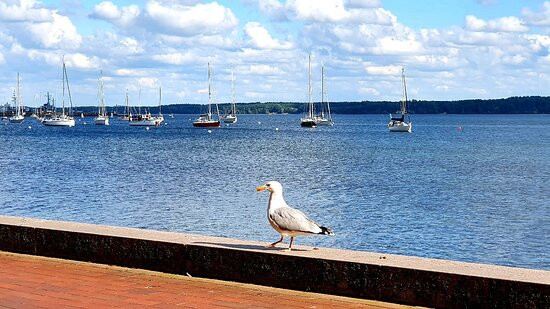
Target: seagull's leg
{"x": 290, "y": 246}
{"x": 273, "y": 244}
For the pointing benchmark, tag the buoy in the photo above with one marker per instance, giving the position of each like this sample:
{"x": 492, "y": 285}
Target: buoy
{"x": 276, "y": 129}
{"x": 147, "y": 128}
{"x": 259, "y": 122}
{"x": 84, "y": 123}
{"x": 30, "y": 127}
{"x": 209, "y": 131}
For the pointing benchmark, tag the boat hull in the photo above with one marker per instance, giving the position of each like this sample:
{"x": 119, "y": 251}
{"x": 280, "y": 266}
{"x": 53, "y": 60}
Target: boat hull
{"x": 308, "y": 122}
{"x": 400, "y": 127}
{"x": 145, "y": 123}
{"x": 230, "y": 119}
{"x": 58, "y": 122}
{"x": 17, "y": 119}
{"x": 101, "y": 121}
{"x": 207, "y": 124}
{"x": 325, "y": 122}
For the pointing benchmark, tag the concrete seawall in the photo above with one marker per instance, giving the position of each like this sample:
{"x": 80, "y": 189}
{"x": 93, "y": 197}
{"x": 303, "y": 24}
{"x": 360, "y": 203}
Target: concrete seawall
{"x": 390, "y": 278}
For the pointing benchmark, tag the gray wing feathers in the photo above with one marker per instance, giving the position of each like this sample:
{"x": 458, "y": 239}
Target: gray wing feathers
{"x": 290, "y": 219}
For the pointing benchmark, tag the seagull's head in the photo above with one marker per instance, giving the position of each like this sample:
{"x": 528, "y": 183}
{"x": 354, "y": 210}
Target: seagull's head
{"x": 272, "y": 187}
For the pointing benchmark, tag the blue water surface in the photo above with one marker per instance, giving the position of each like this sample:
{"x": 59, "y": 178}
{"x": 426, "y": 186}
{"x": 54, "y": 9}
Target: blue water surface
{"x": 472, "y": 188}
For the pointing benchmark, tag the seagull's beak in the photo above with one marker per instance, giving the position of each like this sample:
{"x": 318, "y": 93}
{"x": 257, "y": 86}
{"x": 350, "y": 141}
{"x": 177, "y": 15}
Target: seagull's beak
{"x": 261, "y": 188}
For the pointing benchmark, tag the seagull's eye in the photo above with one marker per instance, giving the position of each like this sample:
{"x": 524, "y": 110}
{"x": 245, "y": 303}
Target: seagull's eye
{"x": 268, "y": 185}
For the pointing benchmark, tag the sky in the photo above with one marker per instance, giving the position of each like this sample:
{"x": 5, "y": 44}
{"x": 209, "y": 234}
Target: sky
{"x": 451, "y": 50}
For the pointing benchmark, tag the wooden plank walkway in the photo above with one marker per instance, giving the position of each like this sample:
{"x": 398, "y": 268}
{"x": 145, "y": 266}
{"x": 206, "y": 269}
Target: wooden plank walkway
{"x": 37, "y": 282}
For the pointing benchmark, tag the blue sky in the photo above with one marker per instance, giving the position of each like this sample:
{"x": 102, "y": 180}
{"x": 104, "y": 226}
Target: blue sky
{"x": 452, "y": 49}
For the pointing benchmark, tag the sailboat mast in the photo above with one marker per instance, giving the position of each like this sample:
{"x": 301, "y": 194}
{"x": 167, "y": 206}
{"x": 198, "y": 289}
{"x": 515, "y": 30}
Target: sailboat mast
{"x": 209, "y": 90}
{"x": 404, "y": 98}
{"x": 18, "y": 105}
{"x": 127, "y": 105}
{"x": 233, "y": 108}
{"x": 63, "y": 93}
{"x": 139, "y": 102}
{"x": 99, "y": 95}
{"x": 103, "y": 109}
{"x": 160, "y": 101}
{"x": 323, "y": 91}
{"x": 68, "y": 89}
{"x": 309, "y": 90}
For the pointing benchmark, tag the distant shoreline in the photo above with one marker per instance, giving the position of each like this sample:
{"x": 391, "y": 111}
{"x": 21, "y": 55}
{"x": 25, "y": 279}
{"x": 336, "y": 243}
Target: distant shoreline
{"x": 511, "y": 105}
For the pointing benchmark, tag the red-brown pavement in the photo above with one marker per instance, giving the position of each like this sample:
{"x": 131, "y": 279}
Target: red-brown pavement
{"x": 38, "y": 282}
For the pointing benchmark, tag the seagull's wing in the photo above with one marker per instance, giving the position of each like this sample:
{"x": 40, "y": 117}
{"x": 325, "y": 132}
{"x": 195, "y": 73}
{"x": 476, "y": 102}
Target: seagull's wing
{"x": 290, "y": 219}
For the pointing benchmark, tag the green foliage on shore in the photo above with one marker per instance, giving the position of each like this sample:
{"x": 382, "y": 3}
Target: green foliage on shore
{"x": 512, "y": 105}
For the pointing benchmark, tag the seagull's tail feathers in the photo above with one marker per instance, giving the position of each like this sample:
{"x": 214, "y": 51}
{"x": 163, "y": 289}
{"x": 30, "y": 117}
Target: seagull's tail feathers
{"x": 326, "y": 231}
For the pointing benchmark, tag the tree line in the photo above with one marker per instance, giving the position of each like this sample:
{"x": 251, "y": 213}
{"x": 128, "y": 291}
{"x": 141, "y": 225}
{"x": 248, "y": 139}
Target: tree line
{"x": 512, "y": 105}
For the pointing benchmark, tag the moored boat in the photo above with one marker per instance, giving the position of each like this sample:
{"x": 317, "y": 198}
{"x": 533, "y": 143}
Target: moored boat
{"x": 102, "y": 119}
{"x": 309, "y": 121}
{"x": 231, "y": 117}
{"x": 401, "y": 123}
{"x": 17, "y": 100}
{"x": 207, "y": 120}
{"x": 63, "y": 120}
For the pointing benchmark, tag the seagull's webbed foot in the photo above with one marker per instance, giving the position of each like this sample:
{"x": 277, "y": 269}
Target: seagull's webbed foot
{"x": 273, "y": 244}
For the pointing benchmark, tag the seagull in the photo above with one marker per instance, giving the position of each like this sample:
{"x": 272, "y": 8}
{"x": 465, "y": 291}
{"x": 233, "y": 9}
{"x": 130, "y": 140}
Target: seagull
{"x": 288, "y": 221}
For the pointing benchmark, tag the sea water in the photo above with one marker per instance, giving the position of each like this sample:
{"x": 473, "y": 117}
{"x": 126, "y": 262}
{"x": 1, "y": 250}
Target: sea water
{"x": 472, "y": 188}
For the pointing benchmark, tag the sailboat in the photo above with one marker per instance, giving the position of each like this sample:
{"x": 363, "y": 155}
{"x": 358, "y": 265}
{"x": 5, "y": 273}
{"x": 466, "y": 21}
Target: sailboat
{"x": 324, "y": 118}
{"x": 206, "y": 120}
{"x": 147, "y": 120}
{"x": 401, "y": 123}
{"x": 232, "y": 116}
{"x": 308, "y": 121}
{"x": 63, "y": 120}
{"x": 127, "y": 113}
{"x": 102, "y": 119}
{"x": 18, "y": 117}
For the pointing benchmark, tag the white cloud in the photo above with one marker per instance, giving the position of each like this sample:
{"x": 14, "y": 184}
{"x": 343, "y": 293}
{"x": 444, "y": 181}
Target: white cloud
{"x": 541, "y": 18}
{"x": 272, "y": 8}
{"x": 503, "y": 24}
{"x": 148, "y": 82}
{"x": 369, "y": 91}
{"x": 129, "y": 72}
{"x": 260, "y": 38}
{"x": 335, "y": 11}
{"x": 395, "y": 46}
{"x": 384, "y": 70}
{"x": 123, "y": 17}
{"x": 176, "y": 58}
{"x": 23, "y": 12}
{"x": 363, "y": 3}
{"x": 82, "y": 61}
{"x": 260, "y": 69}
{"x": 59, "y": 33}
{"x": 169, "y": 17}
{"x": 183, "y": 20}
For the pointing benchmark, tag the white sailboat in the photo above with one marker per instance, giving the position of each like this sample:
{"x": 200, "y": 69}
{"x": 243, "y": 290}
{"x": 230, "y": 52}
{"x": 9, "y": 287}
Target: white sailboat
{"x": 102, "y": 119}
{"x": 127, "y": 111}
{"x": 401, "y": 123}
{"x": 17, "y": 100}
{"x": 147, "y": 120}
{"x": 232, "y": 116}
{"x": 63, "y": 120}
{"x": 324, "y": 118}
{"x": 309, "y": 121}
{"x": 207, "y": 120}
